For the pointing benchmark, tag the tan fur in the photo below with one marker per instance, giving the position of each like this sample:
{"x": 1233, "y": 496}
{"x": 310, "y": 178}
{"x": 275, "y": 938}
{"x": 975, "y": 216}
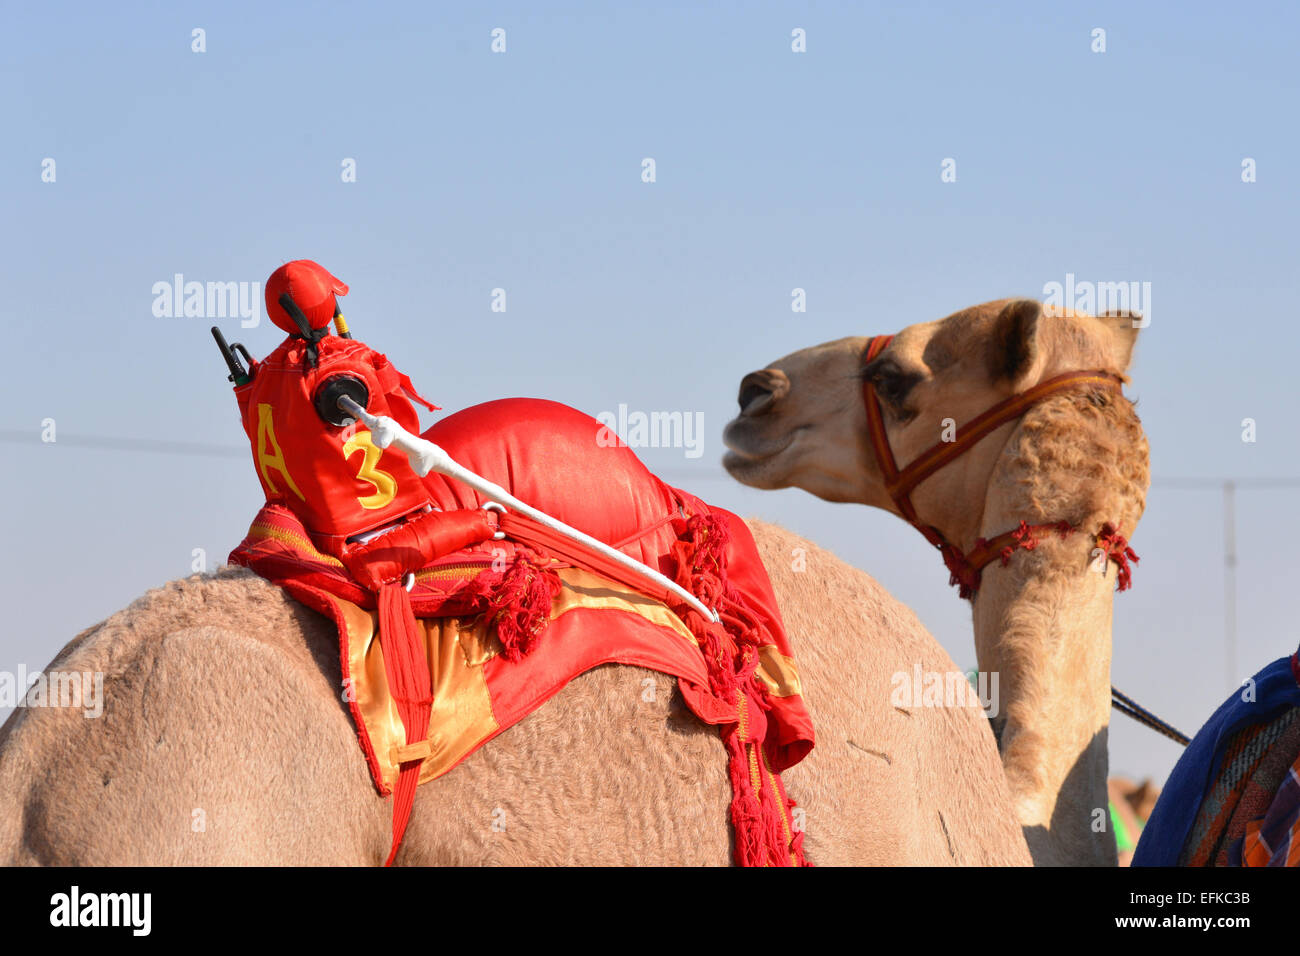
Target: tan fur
{"x": 222, "y": 697}
{"x": 1044, "y": 622}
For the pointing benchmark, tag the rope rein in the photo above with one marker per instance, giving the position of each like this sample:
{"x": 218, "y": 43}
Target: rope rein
{"x": 1127, "y": 705}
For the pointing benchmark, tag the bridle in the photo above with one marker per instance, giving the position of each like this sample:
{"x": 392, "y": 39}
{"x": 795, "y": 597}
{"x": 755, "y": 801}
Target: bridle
{"x": 966, "y": 568}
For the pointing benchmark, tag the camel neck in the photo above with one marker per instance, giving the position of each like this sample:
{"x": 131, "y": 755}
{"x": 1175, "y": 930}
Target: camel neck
{"x": 1043, "y": 623}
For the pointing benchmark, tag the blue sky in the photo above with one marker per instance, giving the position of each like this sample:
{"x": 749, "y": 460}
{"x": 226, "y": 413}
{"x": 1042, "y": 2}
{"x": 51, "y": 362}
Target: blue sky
{"x": 522, "y": 171}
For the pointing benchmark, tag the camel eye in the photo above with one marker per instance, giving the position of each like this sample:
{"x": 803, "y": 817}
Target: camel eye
{"x": 892, "y": 384}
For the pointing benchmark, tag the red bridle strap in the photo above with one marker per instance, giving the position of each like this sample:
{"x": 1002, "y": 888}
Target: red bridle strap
{"x": 965, "y": 568}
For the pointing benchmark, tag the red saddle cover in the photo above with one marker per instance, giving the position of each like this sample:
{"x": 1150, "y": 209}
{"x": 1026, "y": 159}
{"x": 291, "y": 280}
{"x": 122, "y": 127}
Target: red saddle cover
{"x": 564, "y": 462}
{"x": 738, "y": 675}
{"x": 551, "y": 457}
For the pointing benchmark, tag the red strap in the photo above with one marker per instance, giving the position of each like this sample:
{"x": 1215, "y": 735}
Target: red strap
{"x": 899, "y": 483}
{"x": 525, "y": 530}
{"x": 411, "y": 545}
{"x": 408, "y": 678}
{"x": 875, "y": 420}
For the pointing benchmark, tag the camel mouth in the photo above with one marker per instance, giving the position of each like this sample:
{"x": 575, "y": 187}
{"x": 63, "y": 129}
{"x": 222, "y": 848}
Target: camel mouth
{"x": 742, "y": 442}
{"x": 748, "y": 471}
{"x": 749, "y": 456}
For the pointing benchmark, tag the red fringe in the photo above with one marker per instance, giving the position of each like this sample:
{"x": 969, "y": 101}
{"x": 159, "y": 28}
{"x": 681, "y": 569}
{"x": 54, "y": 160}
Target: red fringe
{"x": 759, "y": 818}
{"x": 746, "y": 810}
{"x": 518, "y": 600}
{"x": 966, "y": 575}
{"x": 1118, "y": 550}
{"x": 960, "y": 571}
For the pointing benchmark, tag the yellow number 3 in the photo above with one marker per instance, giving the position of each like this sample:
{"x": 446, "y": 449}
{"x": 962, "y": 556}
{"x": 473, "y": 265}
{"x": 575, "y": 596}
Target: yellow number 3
{"x": 385, "y": 484}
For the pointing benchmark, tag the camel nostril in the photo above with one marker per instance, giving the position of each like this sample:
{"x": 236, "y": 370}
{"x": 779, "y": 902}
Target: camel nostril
{"x": 752, "y": 393}
{"x": 760, "y": 390}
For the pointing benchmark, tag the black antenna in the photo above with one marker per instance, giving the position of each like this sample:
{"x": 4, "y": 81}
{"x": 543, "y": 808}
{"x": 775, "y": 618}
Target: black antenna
{"x": 238, "y": 374}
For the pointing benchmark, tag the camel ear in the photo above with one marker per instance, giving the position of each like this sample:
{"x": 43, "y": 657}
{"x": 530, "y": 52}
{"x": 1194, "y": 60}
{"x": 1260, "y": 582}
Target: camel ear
{"x": 1123, "y": 326}
{"x": 1015, "y": 346}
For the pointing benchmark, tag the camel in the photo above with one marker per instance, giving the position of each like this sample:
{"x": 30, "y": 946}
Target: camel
{"x": 1132, "y": 803}
{"x": 224, "y": 740}
{"x": 1042, "y": 620}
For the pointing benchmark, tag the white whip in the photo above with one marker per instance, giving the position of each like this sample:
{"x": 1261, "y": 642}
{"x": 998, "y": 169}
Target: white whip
{"x": 425, "y": 457}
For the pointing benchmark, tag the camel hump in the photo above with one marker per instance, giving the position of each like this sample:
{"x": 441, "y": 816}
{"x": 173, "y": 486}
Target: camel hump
{"x": 560, "y": 460}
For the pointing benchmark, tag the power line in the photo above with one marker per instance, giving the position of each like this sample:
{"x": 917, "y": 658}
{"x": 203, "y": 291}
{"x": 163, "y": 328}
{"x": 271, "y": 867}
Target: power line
{"x": 1227, "y": 486}
{"x": 165, "y": 446}
{"x": 1206, "y": 484}
{"x": 162, "y": 446}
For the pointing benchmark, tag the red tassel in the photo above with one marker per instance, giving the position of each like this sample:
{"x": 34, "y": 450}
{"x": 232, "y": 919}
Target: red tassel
{"x": 518, "y": 601}
{"x": 960, "y": 571}
{"x": 759, "y": 817}
{"x": 745, "y": 809}
{"x": 1118, "y": 550}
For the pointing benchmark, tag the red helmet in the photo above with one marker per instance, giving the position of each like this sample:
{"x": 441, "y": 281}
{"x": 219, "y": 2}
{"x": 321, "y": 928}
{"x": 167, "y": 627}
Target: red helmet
{"x": 312, "y": 289}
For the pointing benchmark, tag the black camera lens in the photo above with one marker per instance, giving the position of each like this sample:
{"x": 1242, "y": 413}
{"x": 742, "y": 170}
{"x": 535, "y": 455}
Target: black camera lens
{"x": 333, "y": 388}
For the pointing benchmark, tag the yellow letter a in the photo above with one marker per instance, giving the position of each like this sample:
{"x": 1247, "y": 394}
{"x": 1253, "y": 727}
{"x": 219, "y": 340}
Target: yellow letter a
{"x": 272, "y": 458}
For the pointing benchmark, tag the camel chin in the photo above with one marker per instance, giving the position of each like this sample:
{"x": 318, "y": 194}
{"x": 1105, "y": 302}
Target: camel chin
{"x": 755, "y": 459}
{"x": 774, "y": 465}
{"x": 754, "y": 472}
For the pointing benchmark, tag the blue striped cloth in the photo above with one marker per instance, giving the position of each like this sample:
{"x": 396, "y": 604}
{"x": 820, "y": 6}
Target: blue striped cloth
{"x": 1276, "y": 690}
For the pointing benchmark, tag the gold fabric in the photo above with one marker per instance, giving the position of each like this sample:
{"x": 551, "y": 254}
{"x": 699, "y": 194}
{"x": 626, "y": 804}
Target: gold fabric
{"x": 462, "y": 710}
{"x": 590, "y": 590}
{"x": 462, "y": 716}
{"x": 777, "y": 672}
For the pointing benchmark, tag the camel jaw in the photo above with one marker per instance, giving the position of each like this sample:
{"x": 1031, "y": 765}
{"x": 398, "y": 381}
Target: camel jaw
{"x": 750, "y": 472}
{"x": 750, "y": 457}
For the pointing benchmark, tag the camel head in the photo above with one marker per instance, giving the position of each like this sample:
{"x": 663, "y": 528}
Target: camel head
{"x": 803, "y": 421}
{"x": 1069, "y": 459}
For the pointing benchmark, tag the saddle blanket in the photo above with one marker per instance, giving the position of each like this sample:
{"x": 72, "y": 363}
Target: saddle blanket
{"x": 504, "y": 624}
{"x": 1233, "y": 798}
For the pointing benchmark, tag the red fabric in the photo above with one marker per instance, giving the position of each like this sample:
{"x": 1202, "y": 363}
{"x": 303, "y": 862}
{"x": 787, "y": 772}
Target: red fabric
{"x": 408, "y": 678}
{"x": 559, "y": 460}
{"x": 790, "y": 737}
{"x": 548, "y": 455}
{"x": 554, "y": 458}
{"x": 312, "y": 289}
{"x": 413, "y": 544}
{"x": 303, "y": 463}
